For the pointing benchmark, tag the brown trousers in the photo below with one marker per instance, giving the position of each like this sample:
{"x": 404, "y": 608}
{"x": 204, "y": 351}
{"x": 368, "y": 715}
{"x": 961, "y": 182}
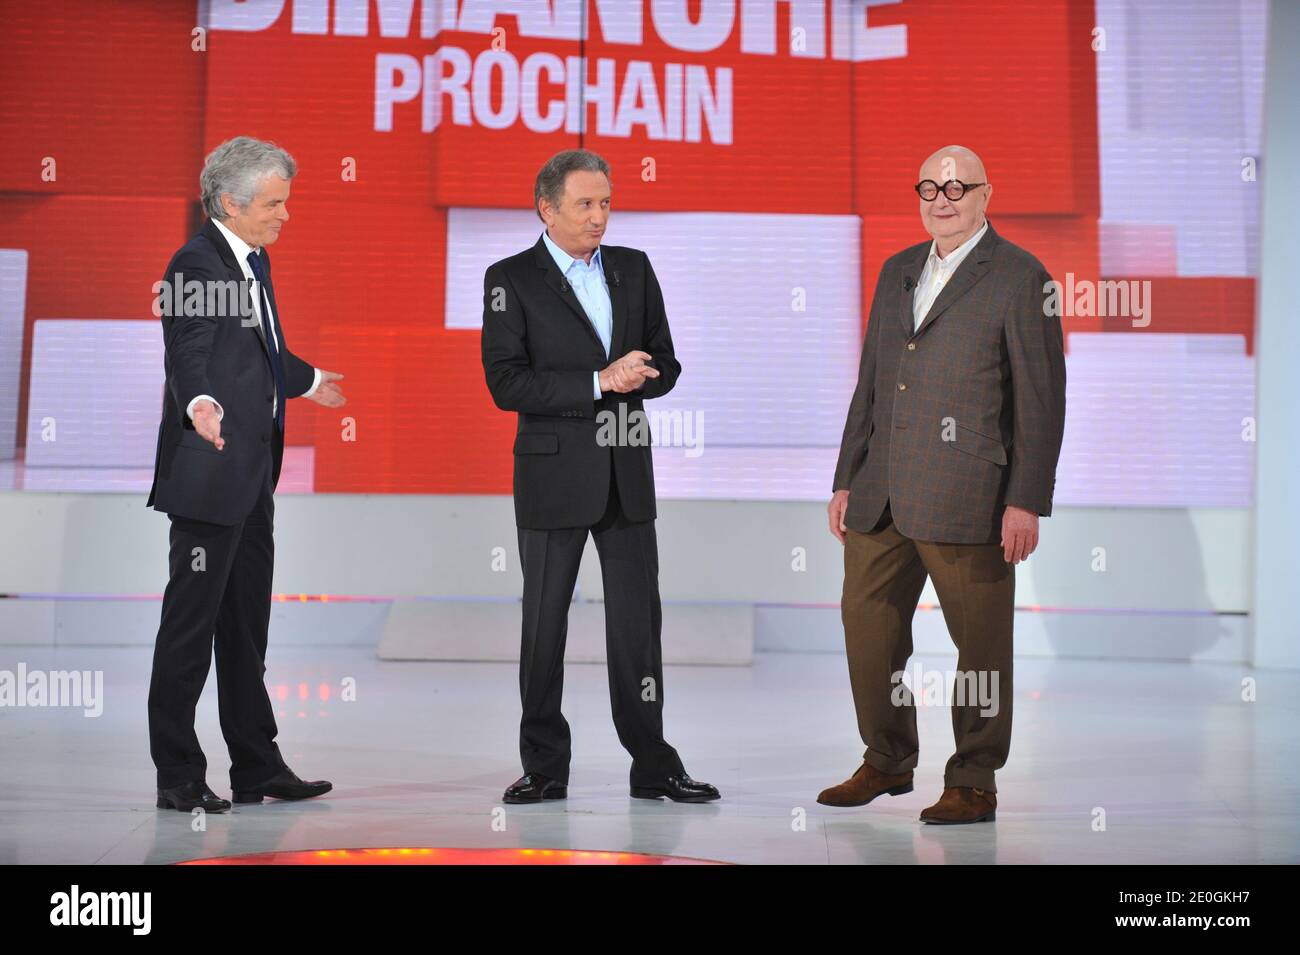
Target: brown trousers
{"x": 884, "y": 574}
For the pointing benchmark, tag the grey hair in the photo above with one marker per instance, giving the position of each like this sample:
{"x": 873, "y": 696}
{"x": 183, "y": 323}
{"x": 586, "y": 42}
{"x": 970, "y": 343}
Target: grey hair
{"x": 238, "y": 167}
{"x": 550, "y": 181}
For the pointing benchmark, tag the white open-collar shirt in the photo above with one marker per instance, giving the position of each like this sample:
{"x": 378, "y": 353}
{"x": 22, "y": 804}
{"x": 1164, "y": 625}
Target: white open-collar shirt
{"x": 938, "y": 270}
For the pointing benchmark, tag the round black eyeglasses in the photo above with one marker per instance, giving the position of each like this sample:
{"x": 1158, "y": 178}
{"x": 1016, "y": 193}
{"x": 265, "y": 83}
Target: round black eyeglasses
{"x": 954, "y": 189}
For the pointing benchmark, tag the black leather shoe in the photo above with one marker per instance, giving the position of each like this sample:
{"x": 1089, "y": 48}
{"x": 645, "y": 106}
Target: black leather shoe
{"x": 190, "y": 796}
{"x": 679, "y": 788}
{"x": 284, "y": 786}
{"x": 534, "y": 787}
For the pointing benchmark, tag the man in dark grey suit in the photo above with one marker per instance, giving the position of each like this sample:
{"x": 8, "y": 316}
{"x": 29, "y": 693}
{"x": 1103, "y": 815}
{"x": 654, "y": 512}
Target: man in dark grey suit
{"x": 574, "y": 334}
{"x": 947, "y": 461}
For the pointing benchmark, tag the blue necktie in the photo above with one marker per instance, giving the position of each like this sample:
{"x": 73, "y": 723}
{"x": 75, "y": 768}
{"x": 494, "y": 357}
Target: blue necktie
{"x": 277, "y": 363}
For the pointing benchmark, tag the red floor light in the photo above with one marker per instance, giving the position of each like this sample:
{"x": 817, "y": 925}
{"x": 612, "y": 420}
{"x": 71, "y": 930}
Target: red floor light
{"x": 449, "y": 856}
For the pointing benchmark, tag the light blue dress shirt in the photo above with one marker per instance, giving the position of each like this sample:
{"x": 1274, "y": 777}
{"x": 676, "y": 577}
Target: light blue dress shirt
{"x": 587, "y": 279}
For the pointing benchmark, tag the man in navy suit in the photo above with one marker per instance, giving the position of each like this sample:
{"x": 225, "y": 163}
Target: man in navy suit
{"x": 229, "y": 375}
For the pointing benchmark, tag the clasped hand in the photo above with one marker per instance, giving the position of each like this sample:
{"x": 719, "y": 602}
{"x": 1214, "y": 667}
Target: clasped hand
{"x": 627, "y": 373}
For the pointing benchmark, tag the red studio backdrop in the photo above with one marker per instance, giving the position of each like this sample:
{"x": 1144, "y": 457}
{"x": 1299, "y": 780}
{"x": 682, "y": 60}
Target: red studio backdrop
{"x": 118, "y": 95}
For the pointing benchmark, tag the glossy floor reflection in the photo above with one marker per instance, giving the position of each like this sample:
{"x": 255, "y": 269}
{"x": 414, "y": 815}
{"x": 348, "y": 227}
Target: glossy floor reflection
{"x": 1125, "y": 763}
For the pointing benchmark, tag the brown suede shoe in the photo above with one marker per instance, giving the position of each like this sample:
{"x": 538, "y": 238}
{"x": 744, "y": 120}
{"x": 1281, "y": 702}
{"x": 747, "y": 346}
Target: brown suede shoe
{"x": 962, "y": 804}
{"x": 865, "y": 785}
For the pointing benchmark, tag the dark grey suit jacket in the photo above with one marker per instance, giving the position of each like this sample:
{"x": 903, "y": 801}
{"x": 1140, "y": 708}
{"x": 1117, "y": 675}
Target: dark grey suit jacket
{"x": 953, "y": 422}
{"x": 539, "y": 350}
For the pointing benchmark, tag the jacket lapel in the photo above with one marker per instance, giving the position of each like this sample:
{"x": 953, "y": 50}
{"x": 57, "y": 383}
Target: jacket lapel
{"x": 614, "y": 279}
{"x": 911, "y": 273}
{"x": 971, "y": 270}
{"x": 213, "y": 235}
{"x": 564, "y": 290}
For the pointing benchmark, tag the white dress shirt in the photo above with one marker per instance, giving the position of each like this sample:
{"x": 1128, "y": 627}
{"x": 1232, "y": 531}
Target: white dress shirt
{"x": 241, "y": 250}
{"x": 587, "y": 279}
{"x": 938, "y": 270}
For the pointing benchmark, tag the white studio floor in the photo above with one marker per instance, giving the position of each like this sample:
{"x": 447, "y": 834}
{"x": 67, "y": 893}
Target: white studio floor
{"x": 1167, "y": 755}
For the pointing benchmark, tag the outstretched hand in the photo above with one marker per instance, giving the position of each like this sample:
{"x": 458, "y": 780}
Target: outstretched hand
{"x": 327, "y": 393}
{"x": 207, "y": 424}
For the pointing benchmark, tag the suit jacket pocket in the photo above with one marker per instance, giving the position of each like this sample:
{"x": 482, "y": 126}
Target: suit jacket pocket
{"x": 980, "y": 445}
{"x": 537, "y": 442}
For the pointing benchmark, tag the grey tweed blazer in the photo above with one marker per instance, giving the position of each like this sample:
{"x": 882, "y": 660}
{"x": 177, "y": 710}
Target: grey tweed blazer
{"x": 952, "y": 422}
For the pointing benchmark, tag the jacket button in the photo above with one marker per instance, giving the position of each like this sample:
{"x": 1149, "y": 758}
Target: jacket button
{"x": 266, "y": 438}
{"x": 902, "y": 387}
{"x": 270, "y": 398}
{"x": 911, "y": 346}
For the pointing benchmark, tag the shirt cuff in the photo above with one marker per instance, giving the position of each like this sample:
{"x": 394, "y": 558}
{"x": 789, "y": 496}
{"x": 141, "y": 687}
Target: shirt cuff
{"x": 315, "y": 383}
{"x": 595, "y": 384}
{"x": 189, "y": 408}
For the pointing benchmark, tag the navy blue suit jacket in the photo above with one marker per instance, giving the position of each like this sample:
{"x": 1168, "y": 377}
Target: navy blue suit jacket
{"x": 223, "y": 355}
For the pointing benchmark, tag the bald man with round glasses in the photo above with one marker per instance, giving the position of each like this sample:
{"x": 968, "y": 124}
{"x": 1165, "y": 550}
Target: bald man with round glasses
{"x": 947, "y": 462}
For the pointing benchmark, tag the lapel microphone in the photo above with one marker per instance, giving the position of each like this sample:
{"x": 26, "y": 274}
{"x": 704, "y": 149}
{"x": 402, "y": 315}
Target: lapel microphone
{"x": 564, "y": 286}
{"x": 908, "y": 283}
{"x": 616, "y": 278}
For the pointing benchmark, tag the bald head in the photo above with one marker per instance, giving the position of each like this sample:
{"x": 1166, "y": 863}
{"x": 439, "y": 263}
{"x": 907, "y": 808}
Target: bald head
{"x": 953, "y": 162}
{"x": 951, "y": 222}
